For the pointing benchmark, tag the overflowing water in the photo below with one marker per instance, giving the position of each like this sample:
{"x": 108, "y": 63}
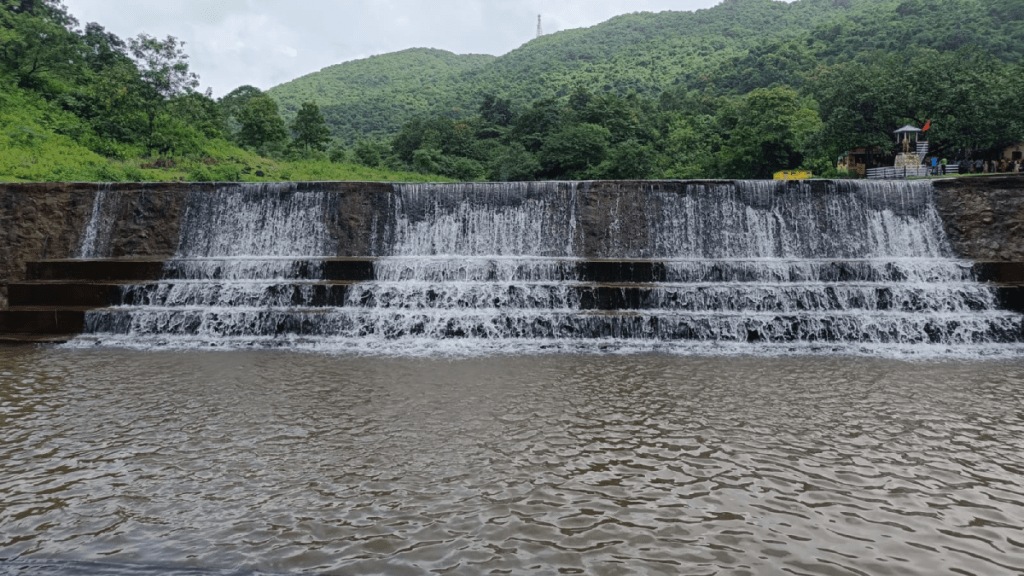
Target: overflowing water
{"x": 96, "y": 239}
{"x": 719, "y": 267}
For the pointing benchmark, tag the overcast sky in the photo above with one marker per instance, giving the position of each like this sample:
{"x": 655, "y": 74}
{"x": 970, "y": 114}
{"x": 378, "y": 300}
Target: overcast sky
{"x": 267, "y": 42}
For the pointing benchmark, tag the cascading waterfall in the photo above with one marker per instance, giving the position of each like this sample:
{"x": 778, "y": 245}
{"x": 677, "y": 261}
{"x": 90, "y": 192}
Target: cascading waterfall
{"x": 243, "y": 252}
{"x": 719, "y": 267}
{"x": 96, "y": 240}
{"x": 773, "y": 220}
{"x": 473, "y": 260}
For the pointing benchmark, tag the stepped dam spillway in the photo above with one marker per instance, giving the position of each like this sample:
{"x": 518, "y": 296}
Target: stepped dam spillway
{"x": 703, "y": 266}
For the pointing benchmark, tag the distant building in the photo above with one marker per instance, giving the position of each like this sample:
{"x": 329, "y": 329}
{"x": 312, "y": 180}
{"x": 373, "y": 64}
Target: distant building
{"x": 907, "y": 159}
{"x": 859, "y": 160}
{"x": 1015, "y": 152}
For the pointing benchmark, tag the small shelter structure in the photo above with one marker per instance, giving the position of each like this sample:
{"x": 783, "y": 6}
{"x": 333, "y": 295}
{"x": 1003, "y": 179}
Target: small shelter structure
{"x": 910, "y": 149}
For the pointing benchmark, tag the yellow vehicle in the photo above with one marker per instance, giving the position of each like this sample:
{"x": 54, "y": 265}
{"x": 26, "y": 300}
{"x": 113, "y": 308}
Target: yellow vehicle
{"x": 793, "y": 175}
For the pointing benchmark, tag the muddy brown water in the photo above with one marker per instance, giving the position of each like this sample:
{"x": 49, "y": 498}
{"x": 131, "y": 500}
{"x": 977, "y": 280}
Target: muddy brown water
{"x": 275, "y": 462}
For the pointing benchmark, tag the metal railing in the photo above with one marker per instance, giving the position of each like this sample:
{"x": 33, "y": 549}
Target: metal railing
{"x": 897, "y": 173}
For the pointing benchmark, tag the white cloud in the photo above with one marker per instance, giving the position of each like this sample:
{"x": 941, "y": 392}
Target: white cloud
{"x": 267, "y": 42}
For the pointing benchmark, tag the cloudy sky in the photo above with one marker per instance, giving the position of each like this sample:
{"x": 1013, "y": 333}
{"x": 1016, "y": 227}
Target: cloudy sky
{"x": 267, "y": 42}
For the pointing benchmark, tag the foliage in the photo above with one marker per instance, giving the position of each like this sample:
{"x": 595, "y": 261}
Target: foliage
{"x": 735, "y": 91}
{"x": 374, "y": 97}
{"x": 768, "y": 130}
{"x": 260, "y": 124}
{"x": 309, "y": 130}
{"x": 972, "y": 100}
{"x": 163, "y": 66}
{"x": 80, "y": 104}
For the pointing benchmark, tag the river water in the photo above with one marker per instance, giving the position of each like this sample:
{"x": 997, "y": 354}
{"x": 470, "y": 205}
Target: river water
{"x": 139, "y": 463}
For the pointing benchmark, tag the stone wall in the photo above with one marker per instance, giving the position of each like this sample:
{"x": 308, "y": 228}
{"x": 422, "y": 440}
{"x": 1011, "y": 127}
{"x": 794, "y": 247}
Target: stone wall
{"x": 984, "y": 216}
{"x": 39, "y": 221}
{"x": 50, "y": 220}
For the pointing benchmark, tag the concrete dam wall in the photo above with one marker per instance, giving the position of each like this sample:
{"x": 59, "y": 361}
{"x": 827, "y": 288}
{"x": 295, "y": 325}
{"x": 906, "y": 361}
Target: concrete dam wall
{"x": 719, "y": 261}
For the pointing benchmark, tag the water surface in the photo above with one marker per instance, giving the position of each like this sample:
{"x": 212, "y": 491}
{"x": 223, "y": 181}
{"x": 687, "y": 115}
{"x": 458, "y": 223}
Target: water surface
{"x": 277, "y": 462}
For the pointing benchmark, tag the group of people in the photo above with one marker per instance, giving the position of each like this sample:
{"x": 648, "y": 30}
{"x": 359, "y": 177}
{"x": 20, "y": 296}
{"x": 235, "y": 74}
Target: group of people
{"x": 991, "y": 166}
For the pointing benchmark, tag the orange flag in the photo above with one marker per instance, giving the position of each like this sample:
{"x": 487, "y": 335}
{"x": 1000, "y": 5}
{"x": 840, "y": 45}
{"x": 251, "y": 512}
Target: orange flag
{"x": 927, "y": 125}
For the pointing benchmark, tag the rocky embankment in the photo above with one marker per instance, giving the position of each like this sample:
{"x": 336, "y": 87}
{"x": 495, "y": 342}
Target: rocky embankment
{"x": 984, "y": 216}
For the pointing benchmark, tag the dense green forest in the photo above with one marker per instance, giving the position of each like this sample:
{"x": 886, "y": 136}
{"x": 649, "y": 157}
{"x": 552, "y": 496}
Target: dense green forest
{"x": 77, "y": 103}
{"x": 742, "y": 89}
{"x": 739, "y": 90}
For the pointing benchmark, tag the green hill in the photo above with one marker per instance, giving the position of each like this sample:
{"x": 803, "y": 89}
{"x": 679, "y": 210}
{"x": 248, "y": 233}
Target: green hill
{"x": 643, "y": 52}
{"x": 734, "y": 91}
{"x": 78, "y": 103}
{"x": 732, "y": 48}
{"x": 376, "y": 95}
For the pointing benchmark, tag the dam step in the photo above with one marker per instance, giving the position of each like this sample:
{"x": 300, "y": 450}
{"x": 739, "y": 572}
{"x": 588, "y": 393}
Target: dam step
{"x": 51, "y": 320}
{"x": 1011, "y": 297}
{"x": 9, "y": 339}
{"x": 134, "y": 270}
{"x": 590, "y": 270}
{"x": 660, "y": 325}
{"x": 857, "y": 300}
{"x": 754, "y": 297}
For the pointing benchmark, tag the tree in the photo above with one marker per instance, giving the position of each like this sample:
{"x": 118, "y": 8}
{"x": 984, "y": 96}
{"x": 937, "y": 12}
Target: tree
{"x": 497, "y": 111}
{"x": 972, "y": 100}
{"x": 163, "y": 69}
{"x": 163, "y": 65}
{"x": 200, "y": 112}
{"x": 309, "y": 130}
{"x": 261, "y": 126}
{"x": 574, "y": 151}
{"x": 35, "y": 38}
{"x": 629, "y": 160}
{"x": 689, "y": 146}
{"x": 768, "y": 130}
{"x": 512, "y": 163}
{"x": 231, "y": 106}
{"x": 371, "y": 152}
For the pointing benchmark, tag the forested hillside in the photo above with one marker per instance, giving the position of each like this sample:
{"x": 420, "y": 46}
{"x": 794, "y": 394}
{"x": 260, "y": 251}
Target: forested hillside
{"x": 80, "y": 103}
{"x": 372, "y": 97}
{"x": 735, "y": 91}
{"x": 646, "y": 53}
{"x": 739, "y": 90}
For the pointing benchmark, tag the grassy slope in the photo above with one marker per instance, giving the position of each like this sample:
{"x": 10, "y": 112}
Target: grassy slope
{"x": 39, "y": 143}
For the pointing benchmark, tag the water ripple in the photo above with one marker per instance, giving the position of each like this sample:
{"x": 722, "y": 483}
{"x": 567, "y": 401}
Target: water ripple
{"x": 241, "y": 462}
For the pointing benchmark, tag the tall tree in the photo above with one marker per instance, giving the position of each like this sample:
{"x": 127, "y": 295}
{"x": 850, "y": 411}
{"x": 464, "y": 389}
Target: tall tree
{"x": 261, "y": 126}
{"x": 36, "y": 39}
{"x": 309, "y": 130}
{"x": 163, "y": 69}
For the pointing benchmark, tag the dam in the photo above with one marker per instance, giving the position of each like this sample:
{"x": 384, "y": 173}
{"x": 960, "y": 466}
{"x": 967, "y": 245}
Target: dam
{"x": 707, "y": 377}
{"x": 757, "y": 267}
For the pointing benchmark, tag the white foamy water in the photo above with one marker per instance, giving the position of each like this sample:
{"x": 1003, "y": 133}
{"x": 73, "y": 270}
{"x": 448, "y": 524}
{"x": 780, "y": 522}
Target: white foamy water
{"x": 730, "y": 266}
{"x": 96, "y": 240}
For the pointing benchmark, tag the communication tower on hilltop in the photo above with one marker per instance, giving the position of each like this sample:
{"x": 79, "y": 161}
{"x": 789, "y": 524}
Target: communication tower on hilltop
{"x": 540, "y": 27}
